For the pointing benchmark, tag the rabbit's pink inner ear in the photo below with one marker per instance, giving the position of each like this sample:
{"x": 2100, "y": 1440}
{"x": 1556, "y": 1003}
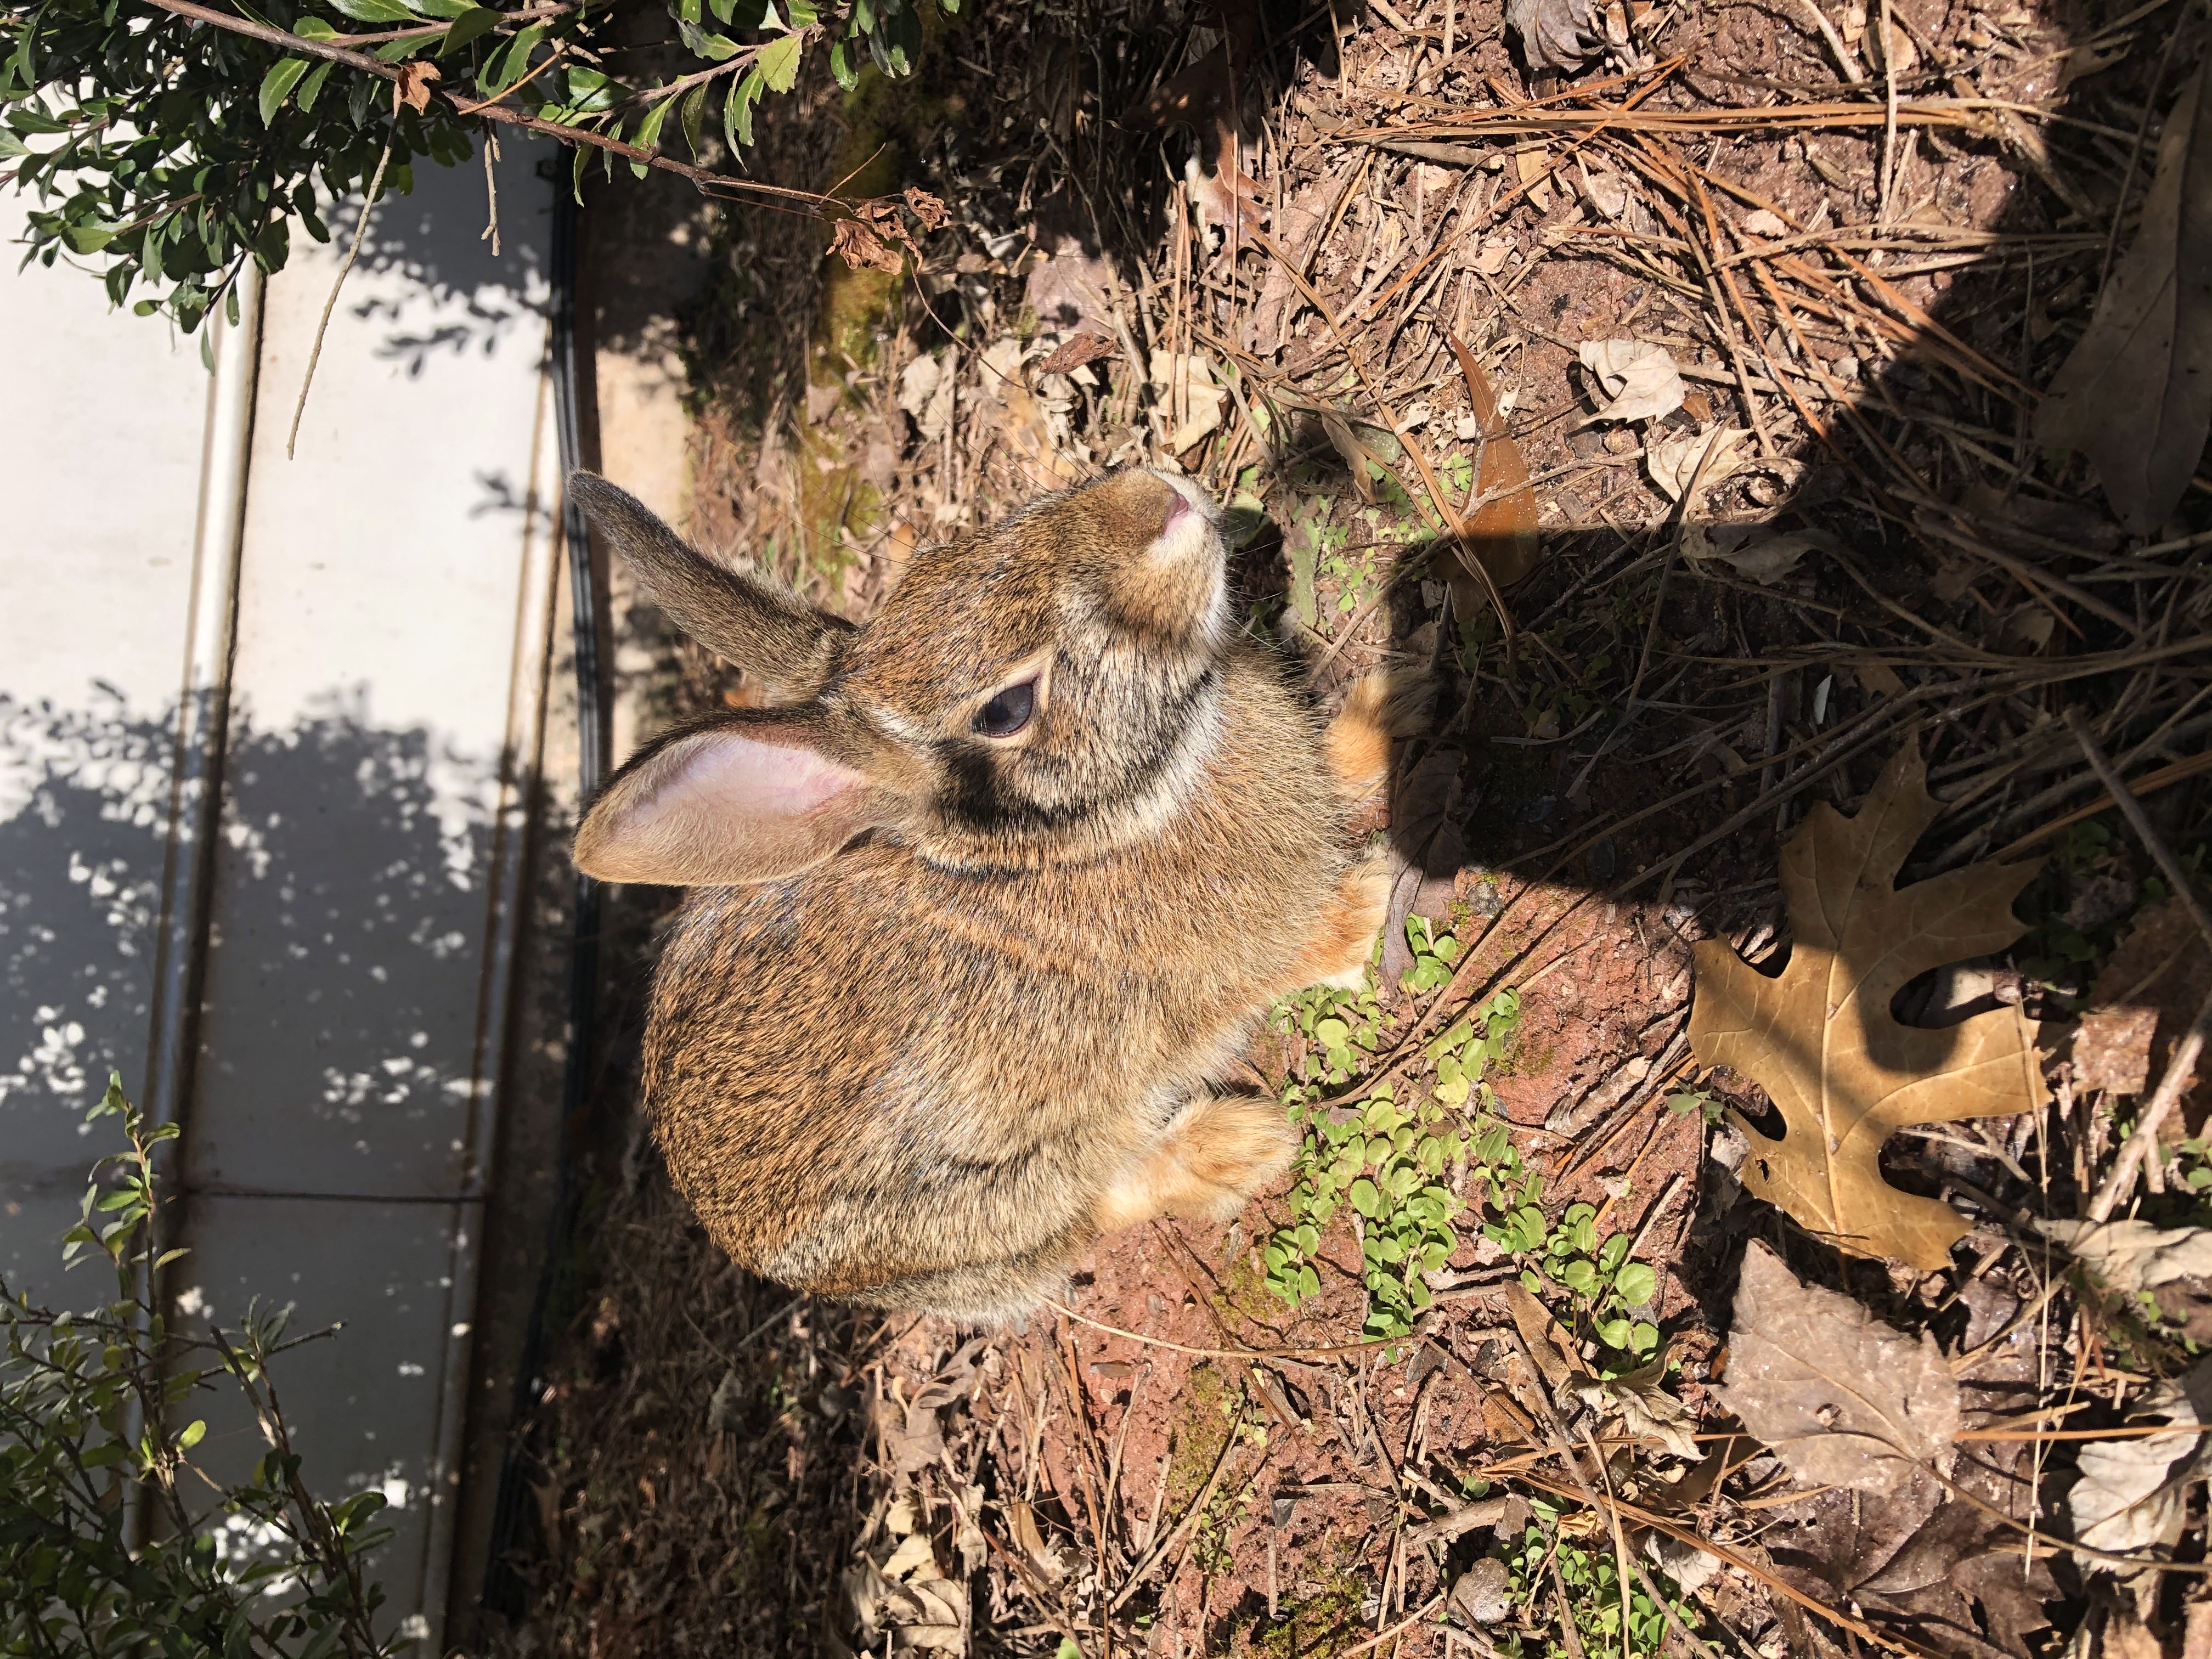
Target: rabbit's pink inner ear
{"x": 720, "y": 808}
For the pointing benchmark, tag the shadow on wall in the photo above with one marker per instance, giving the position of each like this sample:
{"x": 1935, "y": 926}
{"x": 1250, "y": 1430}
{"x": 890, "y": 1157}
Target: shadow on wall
{"x": 440, "y": 294}
{"x": 349, "y": 894}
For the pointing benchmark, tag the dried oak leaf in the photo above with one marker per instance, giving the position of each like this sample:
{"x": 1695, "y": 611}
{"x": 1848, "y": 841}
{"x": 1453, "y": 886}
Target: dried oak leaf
{"x": 1842, "y": 1399}
{"x": 1822, "y": 1039}
{"x": 2135, "y": 395}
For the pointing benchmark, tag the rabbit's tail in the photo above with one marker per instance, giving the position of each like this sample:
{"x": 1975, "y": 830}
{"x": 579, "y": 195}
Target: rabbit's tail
{"x": 1379, "y": 709}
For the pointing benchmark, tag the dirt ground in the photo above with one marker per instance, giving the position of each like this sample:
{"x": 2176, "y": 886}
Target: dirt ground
{"x": 1373, "y": 347}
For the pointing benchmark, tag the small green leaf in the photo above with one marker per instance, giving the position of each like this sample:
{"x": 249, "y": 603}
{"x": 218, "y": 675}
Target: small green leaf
{"x": 505, "y": 67}
{"x": 778, "y": 62}
{"x": 309, "y": 90}
{"x": 1636, "y": 1285}
{"x": 737, "y": 110}
{"x": 191, "y": 1434}
{"x": 375, "y": 11}
{"x": 648, "y": 130}
{"x": 692, "y": 117}
{"x": 471, "y": 25}
{"x": 718, "y": 47}
{"x": 1365, "y": 1199}
{"x": 284, "y": 74}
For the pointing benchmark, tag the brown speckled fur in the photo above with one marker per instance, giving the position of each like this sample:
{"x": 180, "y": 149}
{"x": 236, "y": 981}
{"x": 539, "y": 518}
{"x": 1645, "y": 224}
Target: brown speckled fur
{"x": 919, "y": 1044}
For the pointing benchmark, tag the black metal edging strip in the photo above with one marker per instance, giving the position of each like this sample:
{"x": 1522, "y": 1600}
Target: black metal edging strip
{"x": 504, "y": 1589}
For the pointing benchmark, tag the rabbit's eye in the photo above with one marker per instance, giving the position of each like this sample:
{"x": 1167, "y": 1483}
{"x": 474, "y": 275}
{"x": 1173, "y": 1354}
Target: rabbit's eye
{"x": 1008, "y": 712}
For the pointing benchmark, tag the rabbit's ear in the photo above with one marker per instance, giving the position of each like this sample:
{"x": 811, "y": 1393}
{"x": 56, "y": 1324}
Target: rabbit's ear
{"x": 729, "y": 804}
{"x": 756, "y": 624}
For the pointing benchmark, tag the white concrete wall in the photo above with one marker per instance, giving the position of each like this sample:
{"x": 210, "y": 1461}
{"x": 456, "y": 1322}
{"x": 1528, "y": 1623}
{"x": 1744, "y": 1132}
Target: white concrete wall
{"x": 102, "y": 437}
{"x": 393, "y": 587}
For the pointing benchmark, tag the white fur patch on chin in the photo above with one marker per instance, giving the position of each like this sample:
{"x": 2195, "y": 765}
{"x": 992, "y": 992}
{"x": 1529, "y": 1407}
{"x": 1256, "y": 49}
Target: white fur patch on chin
{"x": 1192, "y": 541}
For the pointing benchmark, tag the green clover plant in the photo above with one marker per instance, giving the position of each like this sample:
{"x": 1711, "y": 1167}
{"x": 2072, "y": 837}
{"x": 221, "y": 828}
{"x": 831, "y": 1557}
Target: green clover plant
{"x": 1384, "y": 1157}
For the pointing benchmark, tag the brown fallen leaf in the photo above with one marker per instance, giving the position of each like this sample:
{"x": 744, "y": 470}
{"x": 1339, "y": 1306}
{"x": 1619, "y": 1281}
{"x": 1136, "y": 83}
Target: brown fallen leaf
{"x": 1501, "y": 533}
{"x": 1030, "y": 1539}
{"x": 2111, "y": 1049}
{"x": 1022, "y": 423}
{"x": 863, "y": 248}
{"x": 2163, "y": 967}
{"x": 1753, "y": 555}
{"x": 1929, "y": 1570}
{"x": 903, "y": 1604}
{"x": 1075, "y": 353}
{"x": 1556, "y": 35}
{"x": 1866, "y": 1415}
{"x": 1547, "y": 1345}
{"x": 2133, "y": 1493}
{"x": 1365, "y": 451}
{"x": 1646, "y": 1410}
{"x": 2136, "y": 394}
{"x": 2173, "y": 1266}
{"x": 1297, "y": 226}
{"x": 1820, "y": 1037}
{"x": 914, "y": 1438}
{"x": 1842, "y": 1399}
{"x": 1706, "y": 459}
{"x": 1637, "y": 379}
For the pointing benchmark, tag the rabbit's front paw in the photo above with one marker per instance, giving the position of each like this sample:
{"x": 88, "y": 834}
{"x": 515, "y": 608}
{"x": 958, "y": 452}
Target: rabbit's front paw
{"x": 1377, "y": 709}
{"x": 1212, "y": 1159}
{"x": 1344, "y": 937}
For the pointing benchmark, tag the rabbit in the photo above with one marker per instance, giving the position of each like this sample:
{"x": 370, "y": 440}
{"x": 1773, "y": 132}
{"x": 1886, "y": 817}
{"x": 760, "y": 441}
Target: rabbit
{"x": 986, "y": 895}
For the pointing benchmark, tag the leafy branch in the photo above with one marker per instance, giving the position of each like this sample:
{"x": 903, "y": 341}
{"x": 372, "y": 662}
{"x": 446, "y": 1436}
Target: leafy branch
{"x": 87, "y": 1403}
{"x": 173, "y": 155}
